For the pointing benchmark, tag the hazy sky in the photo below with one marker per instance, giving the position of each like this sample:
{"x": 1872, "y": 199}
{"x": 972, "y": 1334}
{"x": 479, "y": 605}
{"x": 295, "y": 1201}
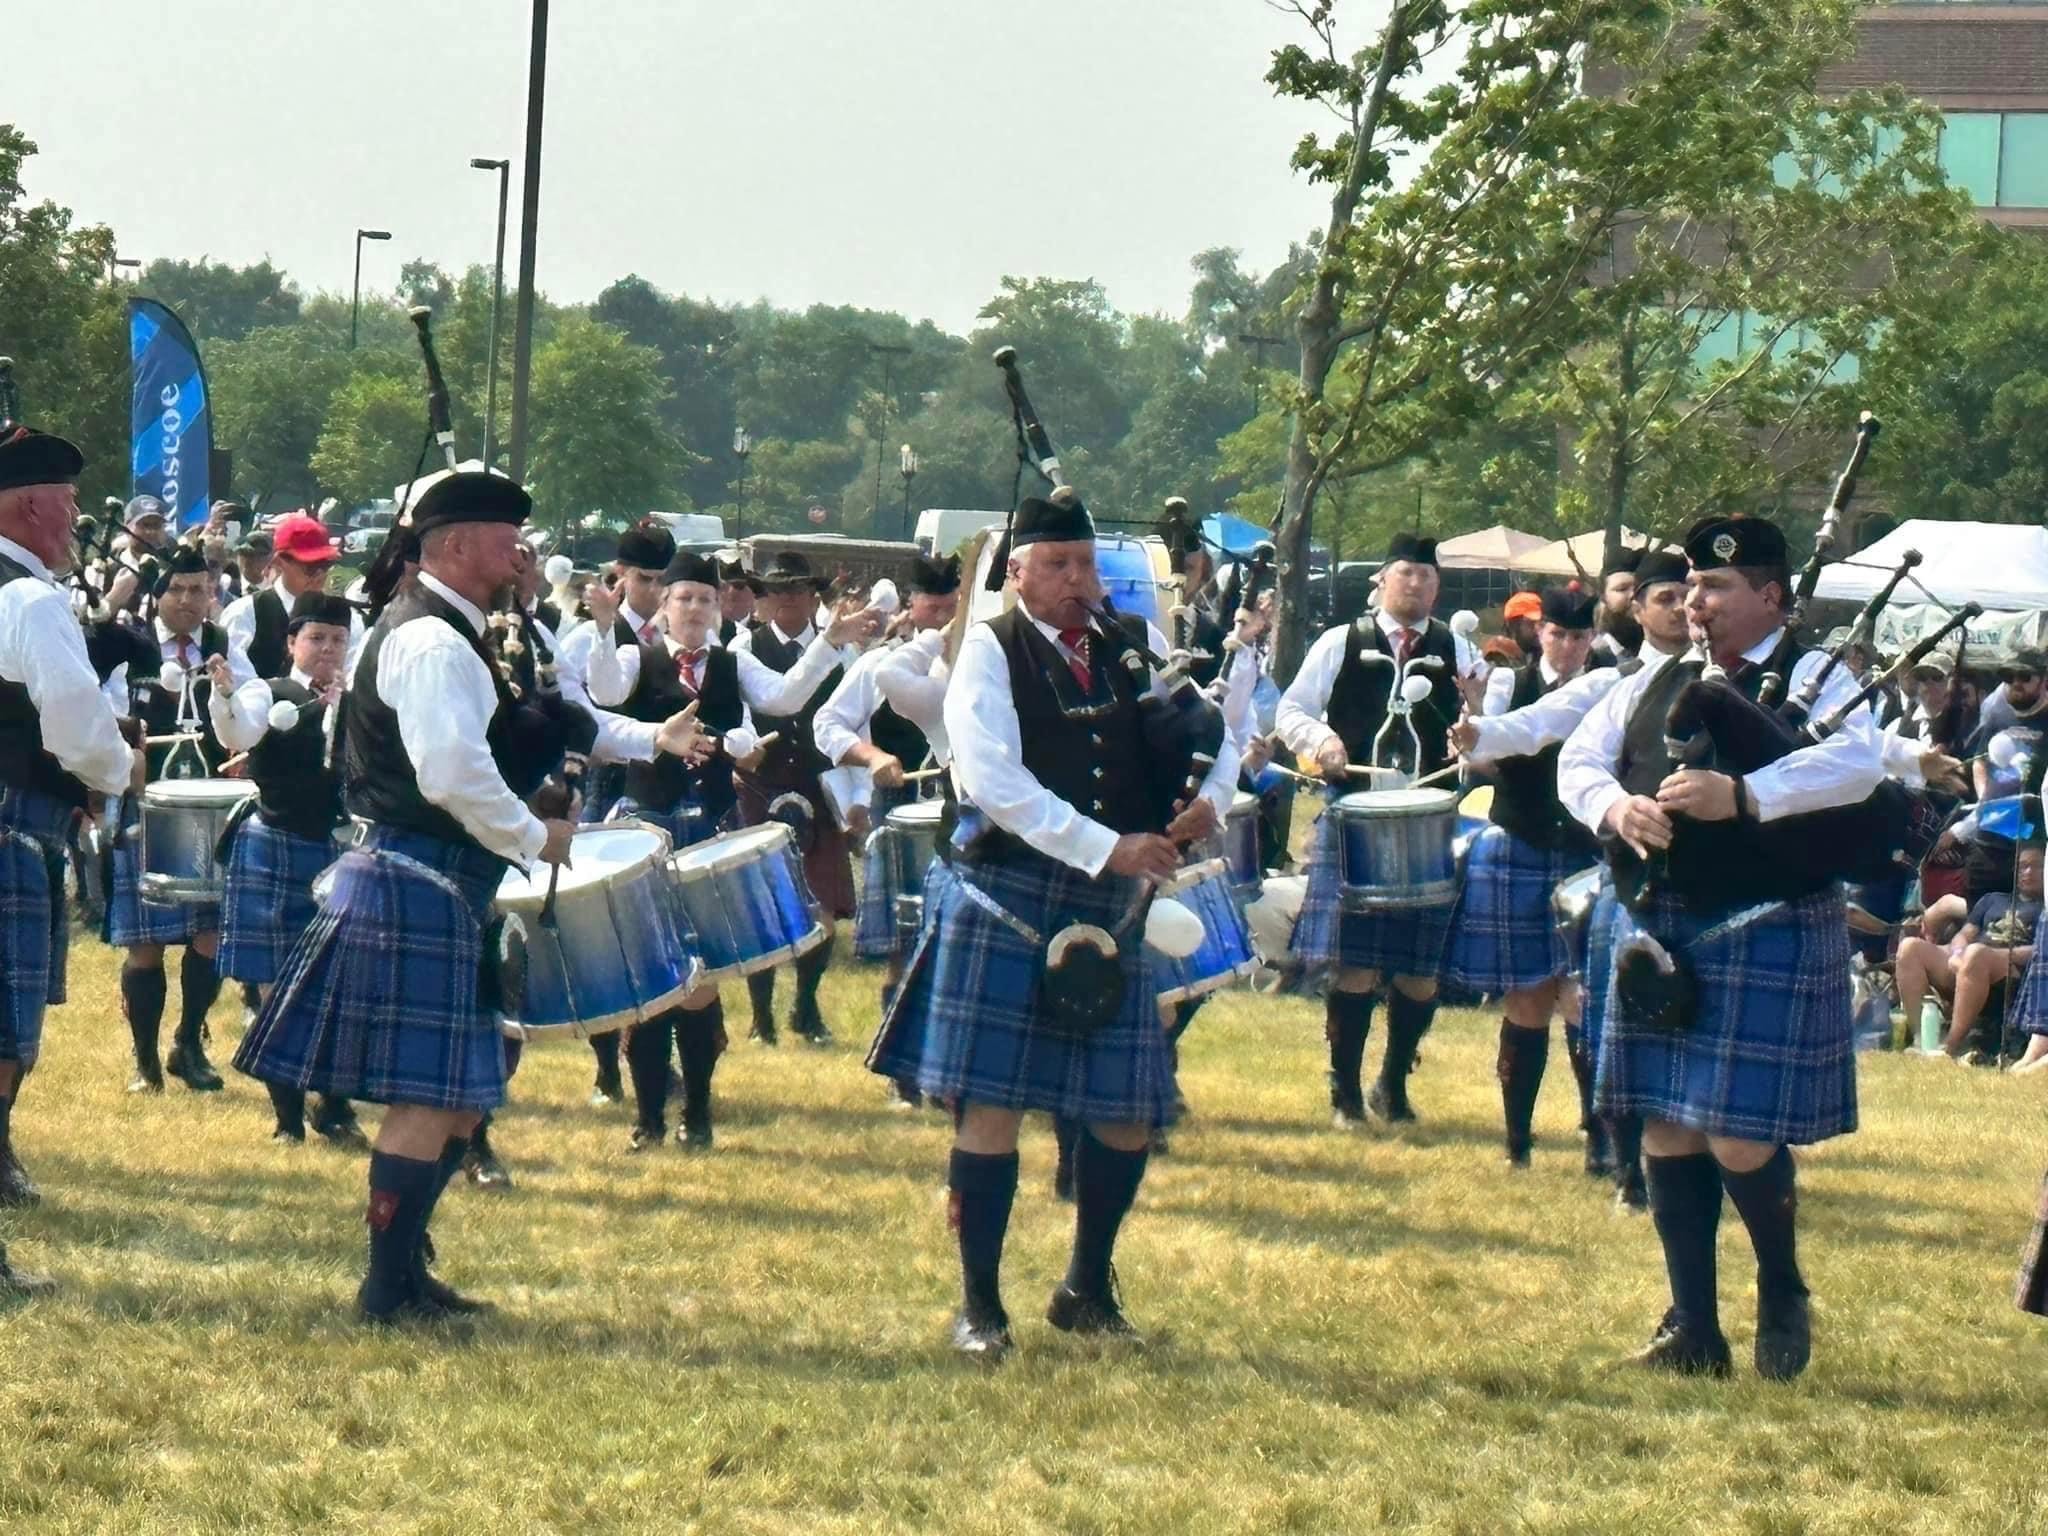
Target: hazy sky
{"x": 898, "y": 154}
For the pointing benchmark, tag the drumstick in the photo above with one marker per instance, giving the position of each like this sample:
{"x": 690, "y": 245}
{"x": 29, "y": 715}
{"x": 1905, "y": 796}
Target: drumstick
{"x": 1431, "y": 778}
{"x": 174, "y": 737}
{"x": 234, "y": 762}
{"x": 916, "y": 774}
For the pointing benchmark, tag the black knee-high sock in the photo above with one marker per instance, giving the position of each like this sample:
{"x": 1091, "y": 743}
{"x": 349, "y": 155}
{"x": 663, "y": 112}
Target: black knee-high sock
{"x": 198, "y": 986}
{"x": 6, "y": 1117}
{"x": 1523, "y": 1055}
{"x": 1767, "y": 1199}
{"x": 810, "y": 970}
{"x": 1105, "y": 1183}
{"x": 1582, "y": 1071}
{"x": 1685, "y": 1203}
{"x": 446, "y": 1166}
{"x": 1066, "y": 1134}
{"x": 647, "y": 1061}
{"x": 401, "y": 1199}
{"x": 1347, "y": 1020}
{"x": 1184, "y": 1013}
{"x": 1408, "y": 1020}
{"x": 252, "y": 996}
{"x": 700, "y": 1041}
{"x": 605, "y": 1048}
{"x": 142, "y": 993}
{"x": 983, "y": 1186}
{"x": 1627, "y": 1134}
{"x": 761, "y": 993}
{"x": 289, "y": 1104}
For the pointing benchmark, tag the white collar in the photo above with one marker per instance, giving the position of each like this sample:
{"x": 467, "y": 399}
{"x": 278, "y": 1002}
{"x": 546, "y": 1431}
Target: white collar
{"x": 462, "y": 605}
{"x": 776, "y": 630}
{"x": 1050, "y": 632}
{"x": 1551, "y": 677}
{"x": 27, "y": 560}
{"x": 633, "y": 620}
{"x": 1760, "y": 652}
{"x": 1391, "y": 626}
{"x": 303, "y": 679}
{"x": 165, "y": 635}
{"x": 711, "y": 641}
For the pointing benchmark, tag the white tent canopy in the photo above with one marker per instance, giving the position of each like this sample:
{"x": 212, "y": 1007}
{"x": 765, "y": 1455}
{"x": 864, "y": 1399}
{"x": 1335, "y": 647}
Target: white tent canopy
{"x": 419, "y": 487}
{"x": 1490, "y": 549}
{"x": 2001, "y": 565}
{"x": 1590, "y": 548}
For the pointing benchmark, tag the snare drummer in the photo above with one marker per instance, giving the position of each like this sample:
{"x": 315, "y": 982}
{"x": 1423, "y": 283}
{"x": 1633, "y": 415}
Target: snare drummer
{"x": 60, "y": 746}
{"x": 1057, "y": 830}
{"x": 858, "y": 728}
{"x": 286, "y": 836}
{"x": 1765, "y": 1059}
{"x": 173, "y": 682}
{"x": 1332, "y": 712}
{"x": 1504, "y": 942}
{"x": 382, "y": 999}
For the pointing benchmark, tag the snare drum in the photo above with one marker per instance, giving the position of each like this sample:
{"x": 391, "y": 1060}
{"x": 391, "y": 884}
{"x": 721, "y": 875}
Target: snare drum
{"x": 1395, "y": 848}
{"x": 613, "y": 955}
{"x": 182, "y": 821}
{"x": 913, "y": 834}
{"x": 1240, "y": 845}
{"x": 1226, "y": 950}
{"x": 743, "y": 895}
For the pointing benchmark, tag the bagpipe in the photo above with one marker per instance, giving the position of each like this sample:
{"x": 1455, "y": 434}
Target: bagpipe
{"x": 1184, "y": 731}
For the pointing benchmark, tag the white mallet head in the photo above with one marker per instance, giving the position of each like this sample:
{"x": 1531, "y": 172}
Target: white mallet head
{"x": 1414, "y": 689}
{"x": 1172, "y": 929}
{"x": 2003, "y": 751}
{"x": 1465, "y": 623}
{"x": 284, "y": 715}
{"x": 171, "y": 677}
{"x": 558, "y": 569}
{"x": 883, "y": 596}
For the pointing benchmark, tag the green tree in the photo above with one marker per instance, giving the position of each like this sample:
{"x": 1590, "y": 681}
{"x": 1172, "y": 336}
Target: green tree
{"x": 598, "y": 438}
{"x": 219, "y": 302}
{"x": 371, "y": 438}
{"x": 271, "y": 395}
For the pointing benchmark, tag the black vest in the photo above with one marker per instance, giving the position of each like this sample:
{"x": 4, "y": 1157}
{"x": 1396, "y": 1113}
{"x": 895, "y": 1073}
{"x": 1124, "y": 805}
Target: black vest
{"x": 381, "y": 784}
{"x": 795, "y": 758}
{"x": 24, "y": 764}
{"x": 297, "y": 791}
{"x": 1525, "y": 788}
{"x": 158, "y": 707}
{"x": 897, "y": 736}
{"x": 1713, "y": 867}
{"x": 659, "y": 693}
{"x": 1358, "y": 697}
{"x": 1087, "y": 750}
{"x": 267, "y": 646}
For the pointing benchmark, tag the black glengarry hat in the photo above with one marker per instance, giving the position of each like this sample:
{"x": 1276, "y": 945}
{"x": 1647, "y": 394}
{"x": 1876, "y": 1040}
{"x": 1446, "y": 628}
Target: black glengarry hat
{"x": 1713, "y": 543}
{"x": 732, "y": 574}
{"x": 1056, "y": 519}
{"x": 471, "y": 496}
{"x": 183, "y": 560}
{"x": 787, "y": 569}
{"x": 1568, "y": 607}
{"x": 1660, "y": 565}
{"x": 646, "y": 546}
{"x": 29, "y": 457}
{"x": 1415, "y": 547}
{"x": 934, "y": 578}
{"x": 319, "y": 608}
{"x": 1622, "y": 560}
{"x": 691, "y": 566}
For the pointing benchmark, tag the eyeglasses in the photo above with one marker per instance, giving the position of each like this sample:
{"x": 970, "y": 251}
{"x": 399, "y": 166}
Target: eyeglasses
{"x": 2023, "y": 677}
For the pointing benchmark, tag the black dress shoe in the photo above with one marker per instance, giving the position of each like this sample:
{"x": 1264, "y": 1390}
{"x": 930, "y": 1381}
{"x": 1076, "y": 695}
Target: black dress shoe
{"x": 1632, "y": 1194}
{"x": 1518, "y": 1155}
{"x": 1599, "y": 1152}
{"x": 694, "y": 1136}
{"x": 982, "y": 1335}
{"x": 149, "y": 1078}
{"x": 1390, "y": 1102}
{"x": 608, "y": 1089}
{"x": 189, "y": 1065}
{"x": 17, "y": 1282}
{"x": 1679, "y": 1349}
{"x": 646, "y": 1138}
{"x": 16, "y": 1187}
{"x": 481, "y": 1164}
{"x": 1071, "y": 1312}
{"x": 443, "y": 1298}
{"x": 763, "y": 1029}
{"x": 295, "y": 1134}
{"x": 810, "y": 1025}
{"x": 1784, "y": 1336}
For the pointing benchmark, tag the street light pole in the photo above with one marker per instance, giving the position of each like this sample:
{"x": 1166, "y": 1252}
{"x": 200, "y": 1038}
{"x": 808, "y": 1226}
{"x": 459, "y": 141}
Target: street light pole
{"x": 116, "y": 263}
{"x": 355, "y": 301}
{"x": 1258, "y": 344}
{"x": 742, "y": 446}
{"x": 889, "y": 356}
{"x": 529, "y": 224}
{"x": 907, "y": 463}
{"x": 504, "y": 170}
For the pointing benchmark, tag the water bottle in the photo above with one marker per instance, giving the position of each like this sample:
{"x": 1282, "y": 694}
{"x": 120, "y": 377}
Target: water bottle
{"x": 1931, "y": 1026}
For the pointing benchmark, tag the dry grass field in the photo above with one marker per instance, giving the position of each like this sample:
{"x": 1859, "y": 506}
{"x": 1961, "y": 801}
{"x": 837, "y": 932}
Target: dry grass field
{"x": 1348, "y": 1333}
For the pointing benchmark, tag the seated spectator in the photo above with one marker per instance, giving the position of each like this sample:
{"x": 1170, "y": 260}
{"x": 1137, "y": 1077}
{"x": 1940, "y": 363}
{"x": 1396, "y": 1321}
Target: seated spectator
{"x": 1995, "y": 944}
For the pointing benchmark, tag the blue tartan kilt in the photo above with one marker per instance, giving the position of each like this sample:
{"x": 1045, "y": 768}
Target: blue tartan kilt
{"x": 35, "y": 930}
{"x": 874, "y": 924}
{"x": 1405, "y": 941}
{"x": 380, "y": 998}
{"x": 2030, "y": 1006}
{"x": 131, "y": 920}
{"x": 1596, "y": 972}
{"x": 963, "y": 1026}
{"x": 1503, "y": 936}
{"x": 1771, "y": 1054}
{"x": 269, "y": 900}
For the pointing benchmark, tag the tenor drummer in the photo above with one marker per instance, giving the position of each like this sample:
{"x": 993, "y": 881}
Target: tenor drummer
{"x": 1754, "y": 1055}
{"x": 1010, "y": 1002}
{"x": 1333, "y": 711}
{"x": 693, "y": 797}
{"x": 382, "y": 998}
{"x": 286, "y": 837}
{"x": 789, "y": 768}
{"x": 1504, "y": 942}
{"x": 858, "y": 728}
{"x": 60, "y": 745}
{"x": 171, "y": 688}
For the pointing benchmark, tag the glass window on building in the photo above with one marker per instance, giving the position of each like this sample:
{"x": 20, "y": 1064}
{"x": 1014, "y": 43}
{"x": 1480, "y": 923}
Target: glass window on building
{"x": 1969, "y": 154}
{"x": 2023, "y": 161}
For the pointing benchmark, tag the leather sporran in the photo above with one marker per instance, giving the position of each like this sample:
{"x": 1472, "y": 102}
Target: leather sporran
{"x": 1083, "y": 985}
{"x": 1656, "y": 990}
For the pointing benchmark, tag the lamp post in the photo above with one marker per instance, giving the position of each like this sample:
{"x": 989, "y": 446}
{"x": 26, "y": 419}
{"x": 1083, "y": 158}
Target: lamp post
{"x": 1258, "y": 344}
{"x": 907, "y": 464}
{"x": 889, "y": 356}
{"x": 504, "y": 170}
{"x": 116, "y": 263}
{"x": 355, "y": 302}
{"x": 742, "y": 446}
{"x": 529, "y": 233}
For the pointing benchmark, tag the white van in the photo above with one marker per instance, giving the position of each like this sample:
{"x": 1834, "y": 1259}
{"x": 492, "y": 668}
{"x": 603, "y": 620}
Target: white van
{"x": 941, "y": 530}
{"x": 691, "y": 529}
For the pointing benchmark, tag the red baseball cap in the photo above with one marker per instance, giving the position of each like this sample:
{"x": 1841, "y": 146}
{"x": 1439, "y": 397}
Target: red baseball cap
{"x": 304, "y": 539}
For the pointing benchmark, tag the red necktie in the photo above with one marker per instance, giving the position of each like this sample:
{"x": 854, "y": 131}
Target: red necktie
{"x": 185, "y": 652}
{"x": 647, "y": 633}
{"x": 1080, "y": 656}
{"x": 690, "y": 667}
{"x": 1404, "y": 647}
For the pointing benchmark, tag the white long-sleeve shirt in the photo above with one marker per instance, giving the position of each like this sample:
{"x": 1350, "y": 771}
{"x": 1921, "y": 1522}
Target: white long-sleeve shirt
{"x": 1546, "y": 720}
{"x": 43, "y": 649}
{"x": 242, "y": 718}
{"x": 239, "y": 620}
{"x": 1839, "y": 771}
{"x": 988, "y": 757}
{"x": 762, "y": 687}
{"x": 444, "y": 696}
{"x": 912, "y": 680}
{"x": 842, "y": 721}
{"x": 1299, "y": 719}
